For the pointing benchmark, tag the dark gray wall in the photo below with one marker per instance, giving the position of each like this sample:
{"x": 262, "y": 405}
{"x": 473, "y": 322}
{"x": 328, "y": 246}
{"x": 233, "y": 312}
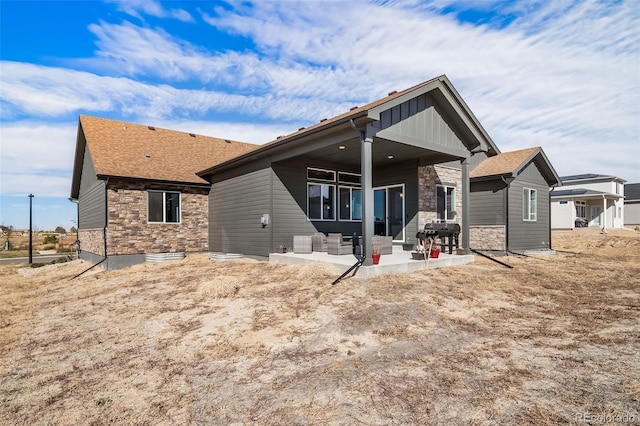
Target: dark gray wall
{"x": 237, "y": 201}
{"x": 91, "y": 200}
{"x": 487, "y": 203}
{"x": 523, "y": 235}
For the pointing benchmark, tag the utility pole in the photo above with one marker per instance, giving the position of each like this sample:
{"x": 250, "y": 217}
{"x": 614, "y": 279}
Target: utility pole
{"x": 30, "y": 229}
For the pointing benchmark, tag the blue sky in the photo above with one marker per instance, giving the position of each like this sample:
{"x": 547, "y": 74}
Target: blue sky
{"x": 562, "y": 75}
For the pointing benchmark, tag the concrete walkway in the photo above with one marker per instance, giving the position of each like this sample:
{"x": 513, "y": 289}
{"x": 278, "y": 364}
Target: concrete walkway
{"x": 398, "y": 262}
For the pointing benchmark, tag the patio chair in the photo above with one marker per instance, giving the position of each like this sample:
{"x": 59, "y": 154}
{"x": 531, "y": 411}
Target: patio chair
{"x": 319, "y": 242}
{"x": 336, "y": 245}
{"x": 302, "y": 244}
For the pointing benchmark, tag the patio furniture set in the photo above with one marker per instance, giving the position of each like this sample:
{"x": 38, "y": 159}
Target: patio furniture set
{"x": 338, "y": 244}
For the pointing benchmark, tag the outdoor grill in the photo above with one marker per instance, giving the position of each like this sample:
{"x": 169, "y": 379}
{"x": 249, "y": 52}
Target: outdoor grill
{"x": 447, "y": 233}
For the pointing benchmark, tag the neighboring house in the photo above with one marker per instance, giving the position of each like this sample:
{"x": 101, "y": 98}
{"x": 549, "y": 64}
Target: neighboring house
{"x": 588, "y": 200}
{"x": 388, "y": 168}
{"x": 510, "y": 202}
{"x": 632, "y": 204}
{"x": 138, "y": 192}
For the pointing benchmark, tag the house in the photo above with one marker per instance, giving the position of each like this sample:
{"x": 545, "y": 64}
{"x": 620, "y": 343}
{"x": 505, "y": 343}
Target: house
{"x": 509, "y": 202}
{"x": 631, "y": 209}
{"x": 385, "y": 168}
{"x": 137, "y": 190}
{"x": 588, "y": 200}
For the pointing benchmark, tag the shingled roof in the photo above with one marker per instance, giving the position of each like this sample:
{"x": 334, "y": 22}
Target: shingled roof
{"x": 512, "y": 162}
{"x": 137, "y": 151}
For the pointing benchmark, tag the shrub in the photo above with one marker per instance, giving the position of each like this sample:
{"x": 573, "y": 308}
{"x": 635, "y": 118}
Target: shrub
{"x": 50, "y": 239}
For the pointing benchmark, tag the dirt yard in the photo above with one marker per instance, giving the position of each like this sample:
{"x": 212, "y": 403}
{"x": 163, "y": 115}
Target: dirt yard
{"x": 554, "y": 340}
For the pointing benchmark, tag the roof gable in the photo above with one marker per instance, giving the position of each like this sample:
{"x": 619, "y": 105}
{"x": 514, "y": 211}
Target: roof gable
{"x": 443, "y": 91}
{"x": 145, "y": 152}
{"x": 510, "y": 164}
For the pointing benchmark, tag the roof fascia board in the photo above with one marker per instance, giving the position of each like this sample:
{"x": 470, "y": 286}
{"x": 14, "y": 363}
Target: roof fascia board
{"x": 158, "y": 181}
{"x": 548, "y": 170}
{"x": 78, "y": 162}
{"x": 590, "y": 196}
{"x": 283, "y": 147}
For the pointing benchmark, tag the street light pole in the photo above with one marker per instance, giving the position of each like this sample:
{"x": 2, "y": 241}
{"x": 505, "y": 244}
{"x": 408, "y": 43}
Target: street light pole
{"x": 30, "y": 228}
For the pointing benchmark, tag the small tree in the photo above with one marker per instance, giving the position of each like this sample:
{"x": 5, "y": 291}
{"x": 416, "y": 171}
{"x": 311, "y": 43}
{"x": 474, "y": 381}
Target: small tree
{"x": 73, "y": 230}
{"x": 60, "y": 230}
{"x": 50, "y": 239}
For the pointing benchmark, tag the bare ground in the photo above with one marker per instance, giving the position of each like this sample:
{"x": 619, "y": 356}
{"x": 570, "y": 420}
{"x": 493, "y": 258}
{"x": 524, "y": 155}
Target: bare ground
{"x": 203, "y": 342}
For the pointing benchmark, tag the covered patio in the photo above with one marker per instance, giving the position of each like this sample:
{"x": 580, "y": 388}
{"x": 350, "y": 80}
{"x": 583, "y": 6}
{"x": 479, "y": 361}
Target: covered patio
{"x": 399, "y": 261}
{"x": 359, "y": 173}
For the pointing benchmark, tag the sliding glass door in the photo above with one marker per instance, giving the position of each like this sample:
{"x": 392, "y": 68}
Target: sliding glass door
{"x": 388, "y": 211}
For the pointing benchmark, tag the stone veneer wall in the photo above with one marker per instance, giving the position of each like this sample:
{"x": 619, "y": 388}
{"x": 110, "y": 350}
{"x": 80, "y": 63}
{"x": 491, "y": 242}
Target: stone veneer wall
{"x": 92, "y": 240}
{"x": 488, "y": 237}
{"x": 428, "y": 178}
{"x": 129, "y": 233}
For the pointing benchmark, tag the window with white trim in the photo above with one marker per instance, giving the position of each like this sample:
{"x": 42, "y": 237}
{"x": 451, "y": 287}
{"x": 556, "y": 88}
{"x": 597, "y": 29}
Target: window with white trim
{"x": 445, "y": 203}
{"x": 350, "y": 200}
{"x": 529, "y": 205}
{"x": 163, "y": 207}
{"x": 581, "y": 209}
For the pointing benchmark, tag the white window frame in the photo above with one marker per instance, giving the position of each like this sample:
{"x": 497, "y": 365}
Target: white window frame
{"x": 350, "y": 188}
{"x": 332, "y": 207}
{"x": 347, "y": 182}
{"x": 581, "y": 206}
{"x": 529, "y": 210}
{"x": 454, "y": 194}
{"x": 164, "y": 207}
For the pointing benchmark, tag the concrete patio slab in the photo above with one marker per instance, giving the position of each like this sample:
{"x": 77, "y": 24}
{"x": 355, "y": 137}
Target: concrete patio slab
{"x": 399, "y": 261}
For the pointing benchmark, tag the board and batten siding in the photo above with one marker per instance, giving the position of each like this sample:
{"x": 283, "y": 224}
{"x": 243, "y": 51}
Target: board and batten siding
{"x": 420, "y": 119}
{"x": 521, "y": 234}
{"x": 236, "y": 205}
{"x": 91, "y": 200}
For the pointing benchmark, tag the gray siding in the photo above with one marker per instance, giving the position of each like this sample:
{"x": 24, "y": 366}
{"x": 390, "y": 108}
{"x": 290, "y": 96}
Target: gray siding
{"x": 421, "y": 118}
{"x": 487, "y": 203}
{"x": 522, "y": 235}
{"x": 91, "y": 200}
{"x": 290, "y": 204}
{"x": 236, "y": 205}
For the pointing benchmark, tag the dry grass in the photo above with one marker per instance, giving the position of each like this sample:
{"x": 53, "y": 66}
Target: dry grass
{"x": 200, "y": 342}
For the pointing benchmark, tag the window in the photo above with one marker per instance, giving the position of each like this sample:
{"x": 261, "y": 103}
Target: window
{"x": 581, "y": 209}
{"x": 349, "y": 178}
{"x": 529, "y": 204}
{"x": 321, "y": 198}
{"x": 163, "y": 207}
{"x": 350, "y": 203}
{"x": 445, "y": 203}
{"x": 319, "y": 174}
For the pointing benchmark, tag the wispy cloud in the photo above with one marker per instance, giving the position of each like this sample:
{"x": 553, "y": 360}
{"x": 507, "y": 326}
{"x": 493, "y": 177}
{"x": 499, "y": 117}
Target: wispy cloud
{"x": 139, "y": 8}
